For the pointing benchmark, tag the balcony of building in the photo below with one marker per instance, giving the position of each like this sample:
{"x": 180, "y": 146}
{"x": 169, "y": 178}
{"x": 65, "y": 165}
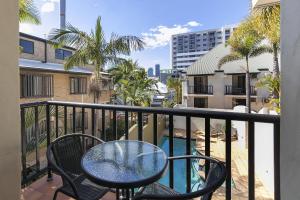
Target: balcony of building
{"x": 237, "y": 90}
{"x": 43, "y": 122}
{"x": 201, "y": 89}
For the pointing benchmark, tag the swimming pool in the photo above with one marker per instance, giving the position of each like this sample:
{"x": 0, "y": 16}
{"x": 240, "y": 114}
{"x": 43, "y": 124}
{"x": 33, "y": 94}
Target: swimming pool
{"x": 180, "y": 165}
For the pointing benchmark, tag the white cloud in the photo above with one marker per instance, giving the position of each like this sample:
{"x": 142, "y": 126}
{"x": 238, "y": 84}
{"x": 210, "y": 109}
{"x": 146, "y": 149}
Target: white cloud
{"x": 193, "y": 24}
{"x": 49, "y": 6}
{"x": 160, "y": 36}
{"x": 26, "y": 28}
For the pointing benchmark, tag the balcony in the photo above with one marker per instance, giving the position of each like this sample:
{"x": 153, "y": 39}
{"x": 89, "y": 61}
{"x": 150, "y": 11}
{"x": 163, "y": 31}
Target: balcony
{"x": 201, "y": 89}
{"x": 42, "y": 122}
{"x": 235, "y": 90}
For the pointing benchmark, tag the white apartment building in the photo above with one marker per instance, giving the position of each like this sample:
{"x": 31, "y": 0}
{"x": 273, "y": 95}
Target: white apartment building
{"x": 207, "y": 86}
{"x": 260, "y": 3}
{"x": 188, "y": 47}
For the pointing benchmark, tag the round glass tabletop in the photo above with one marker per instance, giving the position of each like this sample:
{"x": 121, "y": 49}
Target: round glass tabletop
{"x": 124, "y": 164}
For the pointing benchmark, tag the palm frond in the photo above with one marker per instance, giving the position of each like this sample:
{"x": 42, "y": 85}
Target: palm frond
{"x": 80, "y": 58}
{"x": 28, "y": 12}
{"x": 99, "y": 34}
{"x": 70, "y": 36}
{"x": 261, "y": 50}
{"x": 229, "y": 58}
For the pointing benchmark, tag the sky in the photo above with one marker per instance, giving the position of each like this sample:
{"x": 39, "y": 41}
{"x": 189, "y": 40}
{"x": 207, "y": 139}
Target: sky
{"x": 152, "y": 20}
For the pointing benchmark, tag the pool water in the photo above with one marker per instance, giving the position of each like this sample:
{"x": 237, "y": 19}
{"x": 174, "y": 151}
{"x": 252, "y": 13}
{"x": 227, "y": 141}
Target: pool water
{"x": 180, "y": 165}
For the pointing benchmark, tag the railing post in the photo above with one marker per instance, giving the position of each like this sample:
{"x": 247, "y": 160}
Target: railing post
{"x": 115, "y": 124}
{"x": 188, "y": 152}
{"x": 65, "y": 120}
{"x": 36, "y": 135}
{"x": 207, "y": 144}
{"x": 277, "y": 195}
{"x": 48, "y": 138}
{"x": 140, "y": 126}
{"x": 103, "y": 135}
{"x": 23, "y": 145}
{"x": 126, "y": 125}
{"x": 56, "y": 121}
{"x": 251, "y": 160}
{"x": 82, "y": 120}
{"x": 154, "y": 128}
{"x": 93, "y": 121}
{"x": 74, "y": 119}
{"x": 171, "y": 150}
{"x": 228, "y": 159}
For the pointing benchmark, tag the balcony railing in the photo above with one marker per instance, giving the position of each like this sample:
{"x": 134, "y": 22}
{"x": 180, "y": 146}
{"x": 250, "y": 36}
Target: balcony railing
{"x": 55, "y": 114}
{"x": 201, "y": 89}
{"x": 235, "y": 90}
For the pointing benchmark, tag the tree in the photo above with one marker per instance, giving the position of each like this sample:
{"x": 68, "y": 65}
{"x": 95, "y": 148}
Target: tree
{"x": 175, "y": 83}
{"x": 245, "y": 43}
{"x": 132, "y": 84}
{"x": 92, "y": 48}
{"x": 267, "y": 23}
{"x": 272, "y": 84}
{"x": 28, "y": 12}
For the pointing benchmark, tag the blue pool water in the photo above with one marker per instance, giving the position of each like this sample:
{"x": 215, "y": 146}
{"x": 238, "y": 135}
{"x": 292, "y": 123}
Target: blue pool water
{"x": 180, "y": 165}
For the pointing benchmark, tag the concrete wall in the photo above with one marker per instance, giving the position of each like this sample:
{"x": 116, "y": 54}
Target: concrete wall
{"x": 148, "y": 129}
{"x": 290, "y": 116}
{"x": 10, "y": 151}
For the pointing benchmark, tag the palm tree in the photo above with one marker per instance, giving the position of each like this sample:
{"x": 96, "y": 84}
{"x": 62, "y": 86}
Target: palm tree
{"x": 122, "y": 73}
{"x": 245, "y": 43}
{"x": 175, "y": 83}
{"x": 132, "y": 84}
{"x": 267, "y": 23}
{"x": 93, "y": 48}
{"x": 141, "y": 88}
{"x": 28, "y": 12}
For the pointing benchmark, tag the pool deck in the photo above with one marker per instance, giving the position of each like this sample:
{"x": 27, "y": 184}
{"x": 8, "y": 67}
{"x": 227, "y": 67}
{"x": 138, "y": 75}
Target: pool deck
{"x": 239, "y": 166}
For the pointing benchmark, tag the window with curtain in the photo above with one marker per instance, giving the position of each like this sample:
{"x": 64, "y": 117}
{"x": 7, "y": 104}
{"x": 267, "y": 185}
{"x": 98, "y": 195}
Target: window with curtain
{"x": 36, "y": 85}
{"x": 78, "y": 85}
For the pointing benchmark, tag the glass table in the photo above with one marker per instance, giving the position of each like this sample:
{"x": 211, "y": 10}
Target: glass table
{"x": 124, "y": 164}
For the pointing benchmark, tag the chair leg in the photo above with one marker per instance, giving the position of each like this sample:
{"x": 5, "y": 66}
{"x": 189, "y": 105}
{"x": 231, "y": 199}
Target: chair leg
{"x": 55, "y": 194}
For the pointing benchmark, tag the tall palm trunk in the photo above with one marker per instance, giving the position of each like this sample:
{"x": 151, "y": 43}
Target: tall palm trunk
{"x": 248, "y": 87}
{"x": 275, "y": 67}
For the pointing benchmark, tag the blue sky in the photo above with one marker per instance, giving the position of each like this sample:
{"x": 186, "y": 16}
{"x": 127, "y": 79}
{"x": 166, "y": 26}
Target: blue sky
{"x": 153, "y": 20}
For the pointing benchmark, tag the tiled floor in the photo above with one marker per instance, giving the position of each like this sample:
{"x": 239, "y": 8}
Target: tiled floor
{"x": 44, "y": 190}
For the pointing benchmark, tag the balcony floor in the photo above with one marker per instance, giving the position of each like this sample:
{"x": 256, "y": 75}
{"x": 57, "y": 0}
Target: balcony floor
{"x": 44, "y": 190}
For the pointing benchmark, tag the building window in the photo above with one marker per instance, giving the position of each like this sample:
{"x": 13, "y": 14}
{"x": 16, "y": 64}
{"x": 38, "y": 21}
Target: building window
{"x": 78, "y": 85}
{"x": 200, "y": 103}
{"x": 62, "y": 54}
{"x": 27, "y": 46}
{"x": 33, "y": 85}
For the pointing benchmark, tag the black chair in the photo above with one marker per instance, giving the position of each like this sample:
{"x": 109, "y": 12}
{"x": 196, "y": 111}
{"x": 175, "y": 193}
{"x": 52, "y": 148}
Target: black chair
{"x": 64, "y": 156}
{"x": 215, "y": 178}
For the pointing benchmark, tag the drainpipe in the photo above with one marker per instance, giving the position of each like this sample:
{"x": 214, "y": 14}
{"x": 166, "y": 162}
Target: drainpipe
{"x": 46, "y": 50}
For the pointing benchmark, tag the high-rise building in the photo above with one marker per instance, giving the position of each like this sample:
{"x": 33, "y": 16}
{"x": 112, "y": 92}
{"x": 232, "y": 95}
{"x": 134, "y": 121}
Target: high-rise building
{"x": 165, "y": 74}
{"x": 157, "y": 70}
{"x": 150, "y": 72}
{"x": 188, "y": 47}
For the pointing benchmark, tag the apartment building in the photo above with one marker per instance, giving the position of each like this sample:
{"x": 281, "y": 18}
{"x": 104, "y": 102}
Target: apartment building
{"x": 188, "y": 47}
{"x": 43, "y": 77}
{"x": 207, "y": 86}
{"x": 260, "y": 3}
